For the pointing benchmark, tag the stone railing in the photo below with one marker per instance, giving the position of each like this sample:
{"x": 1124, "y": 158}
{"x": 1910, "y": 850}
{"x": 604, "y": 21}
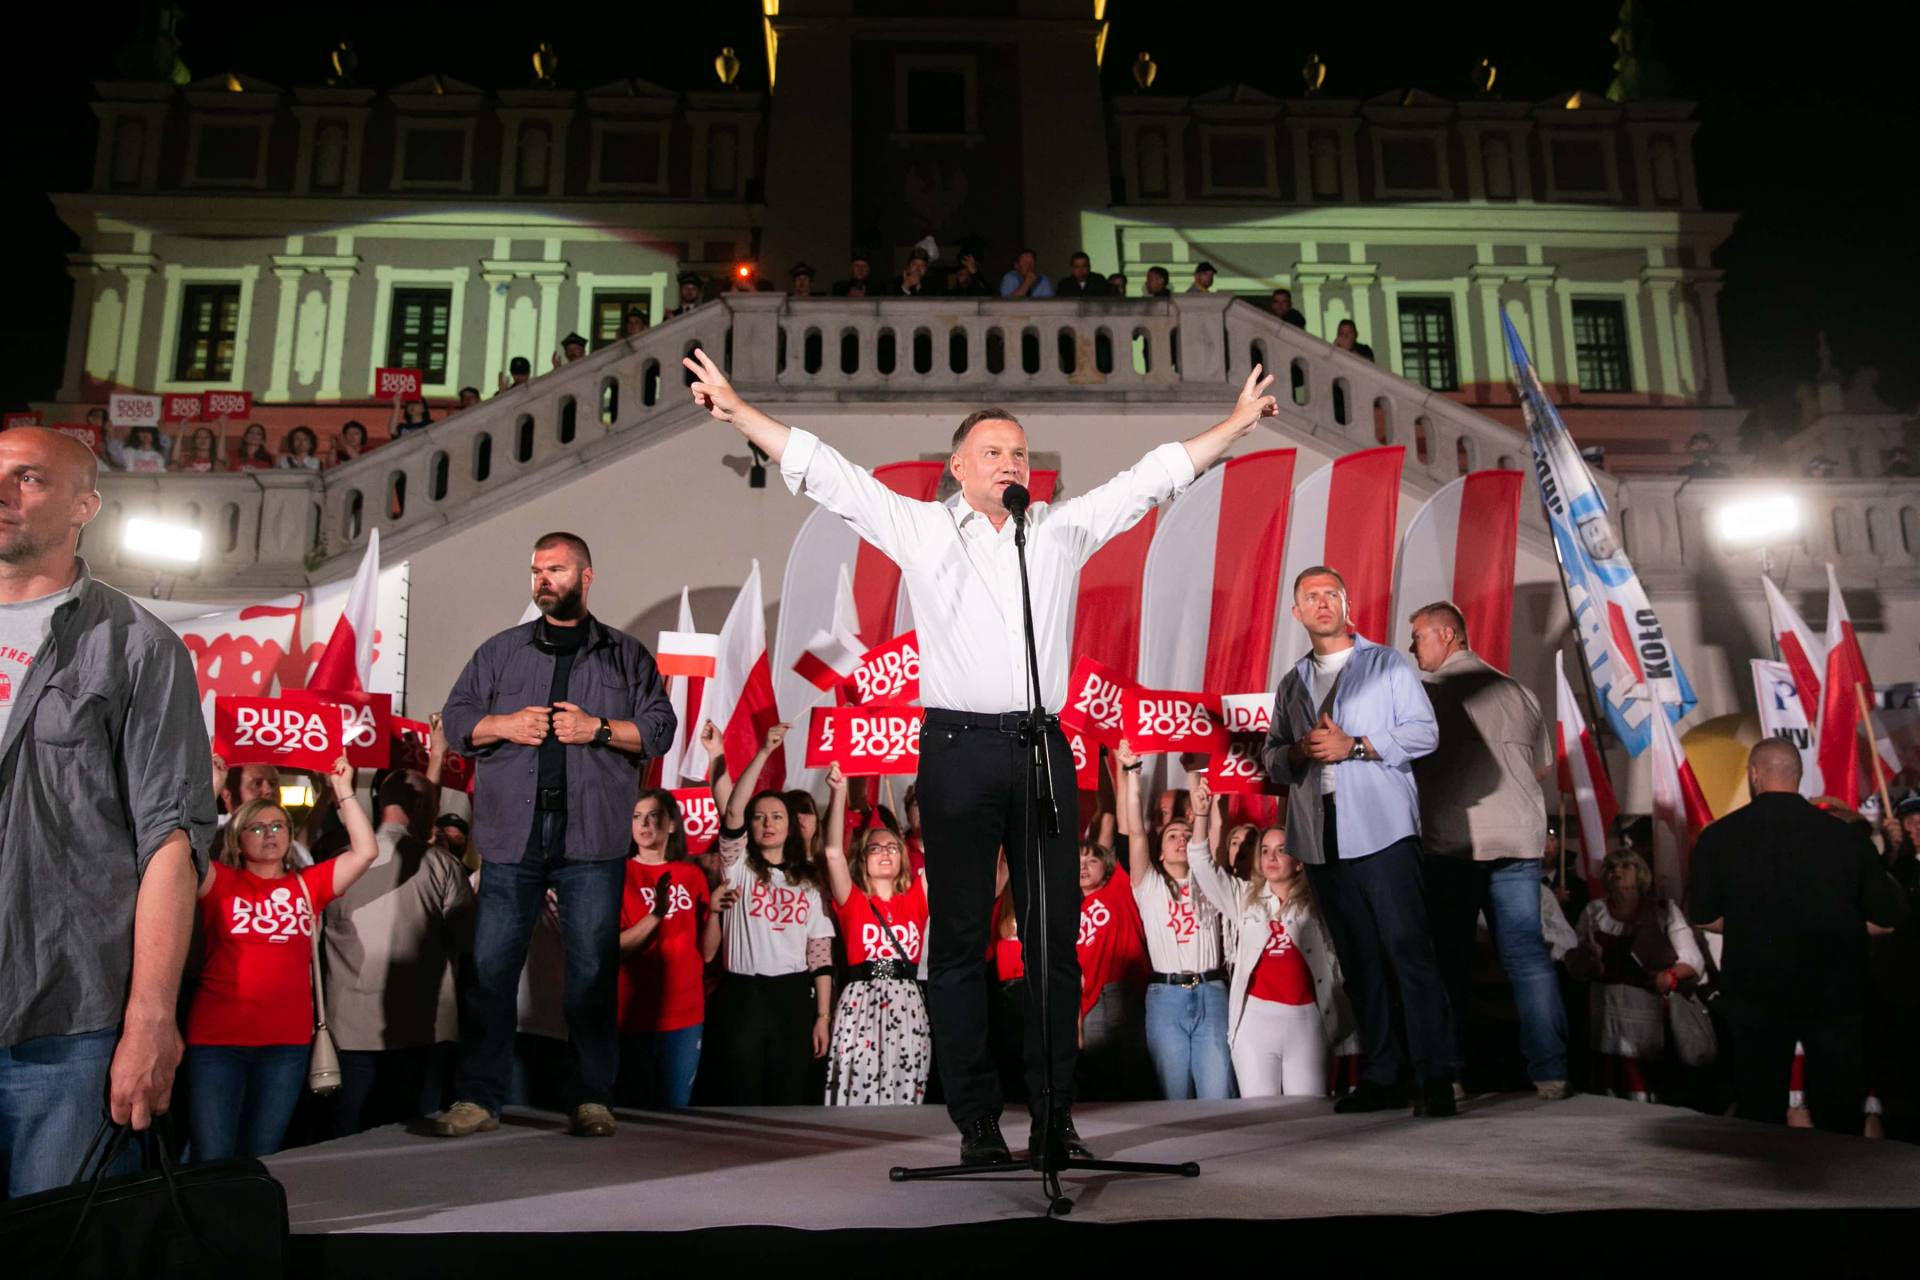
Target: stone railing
{"x": 282, "y": 528}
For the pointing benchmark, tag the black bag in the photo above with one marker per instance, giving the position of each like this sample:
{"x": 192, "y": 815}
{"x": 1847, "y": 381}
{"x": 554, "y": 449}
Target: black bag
{"x": 225, "y": 1219}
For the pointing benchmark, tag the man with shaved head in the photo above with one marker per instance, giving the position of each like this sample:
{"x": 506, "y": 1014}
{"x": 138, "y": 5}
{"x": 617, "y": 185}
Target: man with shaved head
{"x": 1793, "y": 890}
{"x": 96, "y": 898}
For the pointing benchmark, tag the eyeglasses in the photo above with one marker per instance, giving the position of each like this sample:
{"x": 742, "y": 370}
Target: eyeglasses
{"x": 893, "y": 849}
{"x": 258, "y": 829}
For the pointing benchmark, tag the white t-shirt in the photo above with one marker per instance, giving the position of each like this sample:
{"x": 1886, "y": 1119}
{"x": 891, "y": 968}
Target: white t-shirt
{"x": 24, "y": 628}
{"x": 767, "y": 930}
{"x": 1326, "y": 669}
{"x": 1183, "y": 930}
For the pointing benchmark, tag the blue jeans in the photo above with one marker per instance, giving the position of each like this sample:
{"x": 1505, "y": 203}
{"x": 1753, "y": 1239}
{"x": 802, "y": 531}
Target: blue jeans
{"x": 1508, "y": 890}
{"x": 657, "y": 1068}
{"x": 240, "y": 1098}
{"x": 511, "y": 895}
{"x": 1187, "y": 1040}
{"x": 53, "y": 1096}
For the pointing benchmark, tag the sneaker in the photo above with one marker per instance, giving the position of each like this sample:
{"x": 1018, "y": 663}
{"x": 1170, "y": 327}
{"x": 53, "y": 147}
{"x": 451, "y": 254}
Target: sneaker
{"x": 981, "y": 1143}
{"x": 591, "y": 1120}
{"x": 463, "y": 1118}
{"x": 1436, "y": 1099}
{"x": 1552, "y": 1090}
{"x": 1371, "y": 1097}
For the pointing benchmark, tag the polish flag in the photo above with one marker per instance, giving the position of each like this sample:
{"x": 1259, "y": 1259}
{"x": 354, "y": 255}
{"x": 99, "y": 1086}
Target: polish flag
{"x": 1846, "y": 680}
{"x": 740, "y": 697}
{"x": 1461, "y": 546}
{"x": 1583, "y": 776}
{"x": 834, "y": 654}
{"x": 684, "y": 693}
{"x": 1344, "y": 517}
{"x": 1680, "y": 811}
{"x": 346, "y": 665}
{"x": 1804, "y": 653}
{"x": 1107, "y": 603}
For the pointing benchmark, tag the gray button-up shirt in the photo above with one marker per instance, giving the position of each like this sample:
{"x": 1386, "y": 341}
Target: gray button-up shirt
{"x": 614, "y": 677}
{"x": 105, "y": 757}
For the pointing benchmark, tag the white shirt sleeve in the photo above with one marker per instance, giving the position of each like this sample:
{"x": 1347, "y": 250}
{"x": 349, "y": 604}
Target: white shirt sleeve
{"x": 878, "y": 514}
{"x": 1088, "y": 521}
{"x": 819, "y": 921}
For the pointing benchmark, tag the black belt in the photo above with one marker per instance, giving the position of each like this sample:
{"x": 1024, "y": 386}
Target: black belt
{"x": 1188, "y": 979}
{"x": 1013, "y": 723}
{"x": 550, "y": 799}
{"x": 880, "y": 970}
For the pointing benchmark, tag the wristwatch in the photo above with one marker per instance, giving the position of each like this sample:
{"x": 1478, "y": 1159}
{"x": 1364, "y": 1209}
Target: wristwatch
{"x": 604, "y": 734}
{"x": 1359, "y": 751}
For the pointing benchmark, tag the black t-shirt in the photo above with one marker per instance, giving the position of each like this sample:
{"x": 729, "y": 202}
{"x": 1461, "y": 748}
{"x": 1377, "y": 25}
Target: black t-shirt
{"x": 565, "y": 643}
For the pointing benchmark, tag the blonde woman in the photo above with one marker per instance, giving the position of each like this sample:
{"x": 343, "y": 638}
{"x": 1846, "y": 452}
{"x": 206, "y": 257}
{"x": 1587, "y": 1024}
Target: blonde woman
{"x": 1636, "y": 949}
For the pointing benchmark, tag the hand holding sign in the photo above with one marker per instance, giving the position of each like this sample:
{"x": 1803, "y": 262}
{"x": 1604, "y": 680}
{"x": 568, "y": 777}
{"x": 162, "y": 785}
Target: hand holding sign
{"x": 272, "y": 731}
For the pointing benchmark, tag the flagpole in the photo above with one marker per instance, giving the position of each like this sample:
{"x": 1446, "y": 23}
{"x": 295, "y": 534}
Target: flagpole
{"x": 1563, "y": 842}
{"x": 1873, "y": 753}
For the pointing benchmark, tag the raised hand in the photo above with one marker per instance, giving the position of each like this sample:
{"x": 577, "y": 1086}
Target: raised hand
{"x": 1254, "y": 402}
{"x": 1199, "y": 796}
{"x": 342, "y": 778}
{"x": 1125, "y": 755}
{"x": 776, "y": 734}
{"x": 836, "y": 780}
{"x": 712, "y": 741}
{"x": 711, "y": 390}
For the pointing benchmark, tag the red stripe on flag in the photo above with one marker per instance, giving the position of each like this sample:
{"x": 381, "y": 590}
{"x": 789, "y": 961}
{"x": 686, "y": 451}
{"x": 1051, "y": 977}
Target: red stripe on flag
{"x": 690, "y": 665}
{"x": 1041, "y": 484}
{"x": 815, "y": 672}
{"x": 1623, "y": 640}
{"x": 1806, "y": 682}
{"x": 1250, "y": 543}
{"x": 1106, "y": 616}
{"x": 753, "y": 715}
{"x": 1363, "y": 500}
{"x": 876, "y": 579}
{"x": 1484, "y": 551}
{"x": 1840, "y": 760}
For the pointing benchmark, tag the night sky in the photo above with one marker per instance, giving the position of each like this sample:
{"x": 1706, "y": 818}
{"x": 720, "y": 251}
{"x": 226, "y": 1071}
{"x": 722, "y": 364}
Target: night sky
{"x": 1808, "y": 122}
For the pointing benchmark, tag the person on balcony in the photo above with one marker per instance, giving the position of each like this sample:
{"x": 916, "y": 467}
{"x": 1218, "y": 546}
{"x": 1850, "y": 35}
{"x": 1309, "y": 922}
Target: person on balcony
{"x": 145, "y": 451}
{"x": 519, "y": 373}
{"x": 1117, "y": 285}
{"x": 1202, "y": 279}
{"x": 408, "y": 416}
{"x": 300, "y": 451}
{"x": 691, "y": 289}
{"x": 913, "y": 282}
{"x": 350, "y": 443}
{"x": 1025, "y": 280}
{"x": 206, "y": 451}
{"x": 572, "y": 347}
{"x": 968, "y": 281}
{"x": 859, "y": 269}
{"x": 800, "y": 281}
{"x": 1159, "y": 283}
{"x": 469, "y": 397}
{"x": 1703, "y": 461}
{"x": 1281, "y": 304}
{"x": 1346, "y": 336}
{"x": 253, "y": 454}
{"x": 1080, "y": 282}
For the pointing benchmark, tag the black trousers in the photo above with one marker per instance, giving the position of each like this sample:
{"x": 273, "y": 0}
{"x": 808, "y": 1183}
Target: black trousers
{"x": 1836, "y": 1083}
{"x": 758, "y": 1049}
{"x": 390, "y": 1086}
{"x": 973, "y": 794}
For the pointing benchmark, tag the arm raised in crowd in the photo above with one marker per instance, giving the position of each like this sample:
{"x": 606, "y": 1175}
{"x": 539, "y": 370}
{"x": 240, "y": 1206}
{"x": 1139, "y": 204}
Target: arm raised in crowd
{"x": 839, "y": 877}
{"x": 719, "y": 781}
{"x": 736, "y": 811}
{"x": 362, "y": 847}
{"x": 1133, "y": 823}
{"x": 1212, "y": 880}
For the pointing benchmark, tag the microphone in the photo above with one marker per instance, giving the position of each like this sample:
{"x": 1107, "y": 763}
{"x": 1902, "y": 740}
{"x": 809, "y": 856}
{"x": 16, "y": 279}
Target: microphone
{"x": 1015, "y": 500}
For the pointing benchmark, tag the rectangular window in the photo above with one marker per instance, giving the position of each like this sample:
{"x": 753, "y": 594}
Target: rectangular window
{"x": 417, "y": 333}
{"x": 1426, "y": 343}
{"x": 209, "y": 324}
{"x": 1600, "y": 344}
{"x": 610, "y": 315}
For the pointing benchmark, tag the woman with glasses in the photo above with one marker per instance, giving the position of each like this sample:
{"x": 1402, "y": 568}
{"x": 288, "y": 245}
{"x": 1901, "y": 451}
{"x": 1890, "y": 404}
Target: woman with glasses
{"x": 250, "y": 1022}
{"x": 668, "y": 932}
{"x": 882, "y": 1042}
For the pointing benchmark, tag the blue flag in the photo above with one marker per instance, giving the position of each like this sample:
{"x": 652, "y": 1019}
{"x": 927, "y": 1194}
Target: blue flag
{"x": 1626, "y": 650}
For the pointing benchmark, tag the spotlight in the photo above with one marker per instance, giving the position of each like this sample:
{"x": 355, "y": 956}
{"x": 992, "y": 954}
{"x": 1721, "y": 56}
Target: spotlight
{"x": 296, "y": 795}
{"x": 160, "y": 540}
{"x": 1760, "y": 521}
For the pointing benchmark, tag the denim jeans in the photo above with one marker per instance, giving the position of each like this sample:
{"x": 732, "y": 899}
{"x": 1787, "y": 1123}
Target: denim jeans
{"x": 1187, "y": 1039}
{"x": 240, "y": 1098}
{"x": 511, "y": 896}
{"x": 1508, "y": 890}
{"x": 657, "y": 1068}
{"x": 53, "y": 1096}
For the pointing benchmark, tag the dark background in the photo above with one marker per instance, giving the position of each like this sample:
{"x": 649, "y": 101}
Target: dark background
{"x": 1808, "y": 121}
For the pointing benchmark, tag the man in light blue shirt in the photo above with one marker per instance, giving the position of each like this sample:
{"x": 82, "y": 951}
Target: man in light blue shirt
{"x": 1025, "y": 280}
{"x": 1348, "y": 722}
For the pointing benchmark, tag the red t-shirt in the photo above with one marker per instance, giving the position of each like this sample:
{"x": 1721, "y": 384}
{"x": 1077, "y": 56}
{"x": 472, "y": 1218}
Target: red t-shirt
{"x": 256, "y": 986}
{"x": 1112, "y": 941}
{"x": 866, "y": 940}
{"x": 1280, "y": 974}
{"x": 1004, "y": 953}
{"x": 660, "y": 986}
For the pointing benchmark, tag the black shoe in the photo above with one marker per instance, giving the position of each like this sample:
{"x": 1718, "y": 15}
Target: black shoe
{"x": 1066, "y": 1141}
{"x": 1374, "y": 1097}
{"x": 981, "y": 1143}
{"x": 1436, "y": 1099}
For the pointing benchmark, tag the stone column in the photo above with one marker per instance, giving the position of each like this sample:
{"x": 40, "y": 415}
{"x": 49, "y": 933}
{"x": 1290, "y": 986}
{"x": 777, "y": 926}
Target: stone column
{"x": 339, "y": 280}
{"x": 281, "y": 388}
{"x": 1660, "y": 282}
{"x": 126, "y": 369}
{"x": 1706, "y": 292}
{"x": 79, "y": 325}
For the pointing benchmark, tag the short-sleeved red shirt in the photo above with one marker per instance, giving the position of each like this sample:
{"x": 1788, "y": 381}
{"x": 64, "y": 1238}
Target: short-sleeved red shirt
{"x": 1280, "y": 974}
{"x": 256, "y": 986}
{"x": 1112, "y": 941}
{"x": 863, "y": 935}
{"x": 660, "y": 987}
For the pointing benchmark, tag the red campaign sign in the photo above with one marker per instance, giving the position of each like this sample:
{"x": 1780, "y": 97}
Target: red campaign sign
{"x": 365, "y": 720}
{"x": 1086, "y": 760}
{"x": 388, "y": 383}
{"x": 1096, "y": 696}
{"x": 1246, "y": 712}
{"x": 85, "y": 432}
{"x": 887, "y": 673}
{"x": 228, "y": 404}
{"x": 182, "y": 408}
{"x": 823, "y": 735}
{"x": 126, "y": 409}
{"x": 1238, "y": 771}
{"x": 28, "y": 419}
{"x": 699, "y": 817}
{"x": 865, "y": 741}
{"x": 410, "y": 743}
{"x": 1159, "y": 720}
{"x": 276, "y": 732}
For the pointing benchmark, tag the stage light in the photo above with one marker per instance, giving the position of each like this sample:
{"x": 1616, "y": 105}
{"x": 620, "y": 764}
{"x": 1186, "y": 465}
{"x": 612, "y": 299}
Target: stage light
{"x": 296, "y": 795}
{"x": 151, "y": 540}
{"x": 1765, "y": 520}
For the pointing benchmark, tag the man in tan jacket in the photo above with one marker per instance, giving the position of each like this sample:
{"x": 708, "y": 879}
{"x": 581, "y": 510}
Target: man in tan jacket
{"x": 1483, "y": 827}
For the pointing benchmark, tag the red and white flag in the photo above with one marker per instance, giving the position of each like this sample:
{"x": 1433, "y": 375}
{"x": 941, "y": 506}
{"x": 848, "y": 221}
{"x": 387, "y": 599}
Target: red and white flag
{"x": 1804, "y": 652}
{"x": 1680, "y": 811}
{"x": 347, "y": 662}
{"x": 1461, "y": 546}
{"x": 1344, "y": 517}
{"x": 833, "y": 654}
{"x": 684, "y": 694}
{"x": 1583, "y": 776}
{"x": 1107, "y": 602}
{"x": 740, "y": 697}
{"x": 1846, "y": 680}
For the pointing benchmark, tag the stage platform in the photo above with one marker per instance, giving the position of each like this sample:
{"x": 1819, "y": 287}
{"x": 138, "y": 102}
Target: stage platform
{"x": 807, "y": 1183}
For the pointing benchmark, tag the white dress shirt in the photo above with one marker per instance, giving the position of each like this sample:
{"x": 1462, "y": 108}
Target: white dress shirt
{"x": 963, "y": 574}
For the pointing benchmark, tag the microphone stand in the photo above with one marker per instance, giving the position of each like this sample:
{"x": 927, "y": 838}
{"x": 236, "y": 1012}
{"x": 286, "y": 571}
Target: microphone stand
{"x": 1050, "y": 1159}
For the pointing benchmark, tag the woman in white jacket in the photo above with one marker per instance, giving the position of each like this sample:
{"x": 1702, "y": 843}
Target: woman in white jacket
{"x": 1287, "y": 1012}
